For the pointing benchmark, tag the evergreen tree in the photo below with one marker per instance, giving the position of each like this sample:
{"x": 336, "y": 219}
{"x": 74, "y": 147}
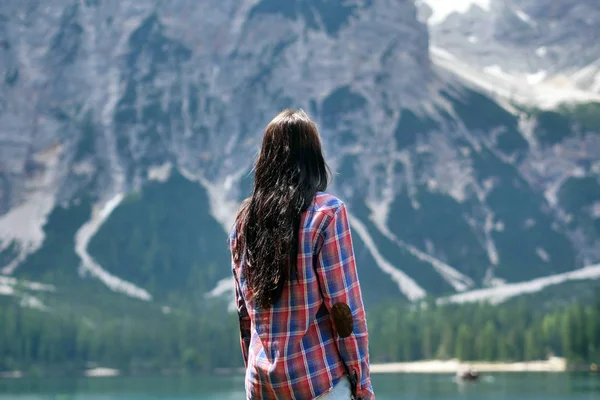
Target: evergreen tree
{"x": 464, "y": 343}
{"x": 426, "y": 350}
{"x": 447, "y": 344}
{"x": 489, "y": 345}
{"x": 532, "y": 348}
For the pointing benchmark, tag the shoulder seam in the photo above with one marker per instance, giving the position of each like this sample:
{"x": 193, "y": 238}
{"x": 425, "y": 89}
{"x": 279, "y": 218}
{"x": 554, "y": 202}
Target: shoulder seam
{"x": 330, "y": 209}
{"x": 331, "y": 213}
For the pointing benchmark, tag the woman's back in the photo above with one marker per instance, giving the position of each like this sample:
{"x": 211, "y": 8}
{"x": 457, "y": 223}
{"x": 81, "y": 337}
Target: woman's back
{"x": 294, "y": 350}
{"x": 302, "y": 320}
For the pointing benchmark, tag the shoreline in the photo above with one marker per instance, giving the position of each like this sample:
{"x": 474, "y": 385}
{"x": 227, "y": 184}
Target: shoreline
{"x": 442, "y": 367}
{"x": 554, "y": 364}
{"x": 101, "y": 372}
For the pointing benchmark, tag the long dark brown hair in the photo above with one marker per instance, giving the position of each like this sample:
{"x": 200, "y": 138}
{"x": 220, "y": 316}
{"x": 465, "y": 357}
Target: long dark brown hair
{"x": 288, "y": 173}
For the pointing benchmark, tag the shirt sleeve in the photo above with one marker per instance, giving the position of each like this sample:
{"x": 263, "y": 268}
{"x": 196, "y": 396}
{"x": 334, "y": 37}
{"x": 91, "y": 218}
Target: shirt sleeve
{"x": 244, "y": 320}
{"x": 339, "y": 284}
{"x": 244, "y": 317}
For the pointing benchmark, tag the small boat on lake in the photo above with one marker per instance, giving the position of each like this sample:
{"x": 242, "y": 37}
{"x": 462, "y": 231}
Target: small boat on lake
{"x": 469, "y": 375}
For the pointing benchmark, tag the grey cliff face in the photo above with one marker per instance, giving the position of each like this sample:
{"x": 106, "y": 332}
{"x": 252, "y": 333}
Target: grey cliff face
{"x": 114, "y": 87}
{"x": 102, "y": 98}
{"x": 546, "y": 40}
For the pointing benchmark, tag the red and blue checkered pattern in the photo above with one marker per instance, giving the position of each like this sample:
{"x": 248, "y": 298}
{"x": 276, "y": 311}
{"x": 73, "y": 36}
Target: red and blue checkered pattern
{"x": 292, "y": 350}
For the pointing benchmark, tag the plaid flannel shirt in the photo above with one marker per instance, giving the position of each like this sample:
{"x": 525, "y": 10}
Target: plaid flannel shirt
{"x": 292, "y": 350}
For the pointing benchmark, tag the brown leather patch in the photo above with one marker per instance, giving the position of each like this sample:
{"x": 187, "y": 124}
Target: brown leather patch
{"x": 342, "y": 319}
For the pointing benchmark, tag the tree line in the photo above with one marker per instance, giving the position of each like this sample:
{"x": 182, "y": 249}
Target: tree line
{"x": 33, "y": 340}
{"x": 519, "y": 331}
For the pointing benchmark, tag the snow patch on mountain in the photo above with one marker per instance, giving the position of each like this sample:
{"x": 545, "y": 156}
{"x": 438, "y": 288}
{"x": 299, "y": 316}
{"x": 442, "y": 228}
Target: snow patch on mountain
{"x": 534, "y": 79}
{"x": 551, "y": 192}
{"x": 505, "y": 292}
{"x": 22, "y": 227}
{"x": 490, "y": 245}
{"x": 588, "y": 76}
{"x": 224, "y": 286}
{"x": 8, "y": 281}
{"x": 523, "y": 16}
{"x": 543, "y": 254}
{"x": 6, "y": 290}
{"x": 546, "y": 94}
{"x": 458, "y": 281}
{"x": 405, "y": 283}
{"x": 10, "y": 286}
{"x": 223, "y": 206}
{"x": 100, "y": 214}
{"x": 160, "y": 173}
{"x": 30, "y": 301}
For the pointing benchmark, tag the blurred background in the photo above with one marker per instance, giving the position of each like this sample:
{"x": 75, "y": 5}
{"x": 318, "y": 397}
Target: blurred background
{"x": 464, "y": 136}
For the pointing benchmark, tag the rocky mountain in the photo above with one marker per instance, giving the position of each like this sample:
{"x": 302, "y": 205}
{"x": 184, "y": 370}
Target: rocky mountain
{"x": 539, "y": 50}
{"x": 128, "y": 130}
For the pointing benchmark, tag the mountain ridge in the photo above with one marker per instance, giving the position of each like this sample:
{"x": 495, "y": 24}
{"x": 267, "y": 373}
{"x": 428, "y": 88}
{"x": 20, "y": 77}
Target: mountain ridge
{"x": 451, "y": 186}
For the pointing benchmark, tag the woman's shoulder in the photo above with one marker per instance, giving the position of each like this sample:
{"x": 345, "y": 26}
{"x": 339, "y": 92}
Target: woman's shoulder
{"x": 326, "y": 209}
{"x": 327, "y": 203}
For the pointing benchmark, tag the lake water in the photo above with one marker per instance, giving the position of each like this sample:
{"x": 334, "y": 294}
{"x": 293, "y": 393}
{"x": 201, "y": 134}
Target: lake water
{"x": 387, "y": 387}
